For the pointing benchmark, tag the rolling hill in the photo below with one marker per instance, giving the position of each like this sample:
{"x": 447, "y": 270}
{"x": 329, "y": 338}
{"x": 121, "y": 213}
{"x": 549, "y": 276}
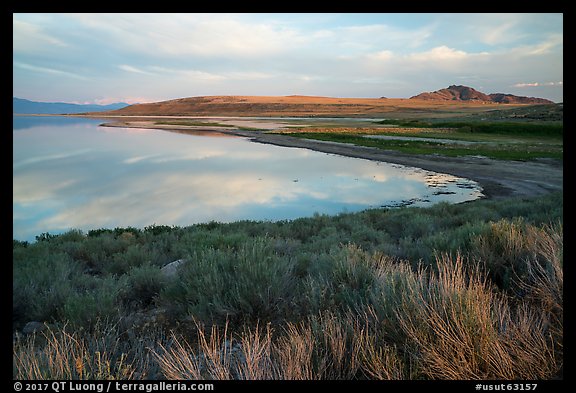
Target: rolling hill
{"x": 454, "y": 99}
{"x": 304, "y": 106}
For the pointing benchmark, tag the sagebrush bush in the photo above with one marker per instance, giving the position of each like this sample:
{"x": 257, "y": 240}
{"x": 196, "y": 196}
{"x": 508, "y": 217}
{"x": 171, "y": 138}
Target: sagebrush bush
{"x": 249, "y": 284}
{"x": 83, "y": 308}
{"x": 42, "y": 283}
{"x": 144, "y": 284}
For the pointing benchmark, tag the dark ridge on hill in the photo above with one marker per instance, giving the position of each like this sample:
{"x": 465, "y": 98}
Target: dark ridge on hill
{"x": 512, "y": 99}
{"x": 465, "y": 93}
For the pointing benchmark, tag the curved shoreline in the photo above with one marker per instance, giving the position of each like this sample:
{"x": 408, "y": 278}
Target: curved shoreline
{"x": 498, "y": 178}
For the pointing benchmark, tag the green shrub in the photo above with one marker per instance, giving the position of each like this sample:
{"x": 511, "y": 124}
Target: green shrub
{"x": 85, "y": 308}
{"x": 134, "y": 255}
{"x": 74, "y": 235}
{"x": 19, "y": 243}
{"x": 97, "y": 253}
{"x": 144, "y": 284}
{"x": 42, "y": 282}
{"x": 246, "y": 285}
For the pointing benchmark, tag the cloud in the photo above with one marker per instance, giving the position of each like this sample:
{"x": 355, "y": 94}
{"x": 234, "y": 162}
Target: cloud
{"x": 163, "y": 56}
{"x": 186, "y": 73}
{"x": 192, "y": 74}
{"x": 439, "y": 53}
{"x": 382, "y": 55}
{"x": 537, "y": 84}
{"x": 46, "y": 70}
{"x": 27, "y": 37}
{"x": 383, "y": 36}
{"x": 549, "y": 44}
{"x": 495, "y": 35}
{"x": 129, "y": 68}
{"x": 440, "y": 59}
{"x": 120, "y": 98}
{"x": 190, "y": 34}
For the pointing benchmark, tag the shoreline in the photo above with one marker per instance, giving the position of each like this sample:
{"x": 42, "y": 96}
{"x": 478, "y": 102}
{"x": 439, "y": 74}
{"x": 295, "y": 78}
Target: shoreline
{"x": 498, "y": 178}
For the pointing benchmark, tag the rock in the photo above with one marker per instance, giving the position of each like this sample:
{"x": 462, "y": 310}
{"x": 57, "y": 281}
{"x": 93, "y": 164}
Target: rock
{"x": 33, "y": 327}
{"x": 170, "y": 270}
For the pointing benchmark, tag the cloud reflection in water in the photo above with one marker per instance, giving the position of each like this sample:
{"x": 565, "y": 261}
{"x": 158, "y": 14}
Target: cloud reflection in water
{"x": 87, "y": 177}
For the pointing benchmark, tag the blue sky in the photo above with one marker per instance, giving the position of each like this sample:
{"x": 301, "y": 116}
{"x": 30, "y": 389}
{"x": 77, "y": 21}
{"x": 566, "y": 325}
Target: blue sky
{"x": 105, "y": 58}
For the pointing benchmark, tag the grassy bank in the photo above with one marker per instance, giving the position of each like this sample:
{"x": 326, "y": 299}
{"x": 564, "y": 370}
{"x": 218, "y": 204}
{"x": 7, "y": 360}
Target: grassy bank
{"x": 380, "y": 294}
{"x": 499, "y": 140}
{"x": 547, "y": 129}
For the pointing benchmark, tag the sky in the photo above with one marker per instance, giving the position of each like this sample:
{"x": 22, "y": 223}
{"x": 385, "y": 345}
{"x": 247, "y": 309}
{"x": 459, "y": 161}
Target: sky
{"x": 135, "y": 58}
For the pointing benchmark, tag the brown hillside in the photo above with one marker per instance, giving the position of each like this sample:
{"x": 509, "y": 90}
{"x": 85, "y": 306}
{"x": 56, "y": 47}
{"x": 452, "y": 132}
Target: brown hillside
{"x": 512, "y": 99}
{"x": 302, "y": 106}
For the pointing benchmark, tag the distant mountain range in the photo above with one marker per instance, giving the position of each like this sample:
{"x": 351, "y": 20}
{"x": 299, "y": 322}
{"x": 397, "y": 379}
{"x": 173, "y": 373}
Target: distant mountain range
{"x": 23, "y": 106}
{"x": 465, "y": 93}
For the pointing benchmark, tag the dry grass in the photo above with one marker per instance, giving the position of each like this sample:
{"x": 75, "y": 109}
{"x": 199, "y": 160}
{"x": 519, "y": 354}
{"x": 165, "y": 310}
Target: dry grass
{"x": 466, "y": 330}
{"x": 65, "y": 356}
{"x": 382, "y": 362}
{"x": 456, "y": 324}
{"x": 298, "y": 354}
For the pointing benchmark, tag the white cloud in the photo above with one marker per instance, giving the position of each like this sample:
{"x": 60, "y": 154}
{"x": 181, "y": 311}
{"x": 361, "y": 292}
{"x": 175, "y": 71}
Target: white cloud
{"x": 190, "y": 34}
{"x": 502, "y": 33}
{"x": 552, "y": 42}
{"x": 121, "y": 98}
{"x": 46, "y": 70}
{"x": 537, "y": 84}
{"x": 186, "y": 73}
{"x": 248, "y": 75}
{"x": 439, "y": 53}
{"x": 192, "y": 74}
{"x": 382, "y": 55}
{"x": 27, "y": 37}
{"x": 382, "y": 36}
{"x": 133, "y": 69}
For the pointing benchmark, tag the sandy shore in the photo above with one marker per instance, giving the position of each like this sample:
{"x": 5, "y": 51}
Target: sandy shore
{"x": 498, "y": 178}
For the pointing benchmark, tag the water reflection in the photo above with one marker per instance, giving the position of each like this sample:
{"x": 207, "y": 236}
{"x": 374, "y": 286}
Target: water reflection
{"x": 82, "y": 176}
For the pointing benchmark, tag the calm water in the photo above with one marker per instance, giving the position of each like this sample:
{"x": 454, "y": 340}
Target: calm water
{"x": 70, "y": 173}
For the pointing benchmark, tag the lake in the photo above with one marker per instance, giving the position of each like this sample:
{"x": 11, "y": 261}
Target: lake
{"x": 69, "y": 173}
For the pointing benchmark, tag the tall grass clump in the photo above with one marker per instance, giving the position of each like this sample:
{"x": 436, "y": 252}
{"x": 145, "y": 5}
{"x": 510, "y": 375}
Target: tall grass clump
{"x": 64, "y": 355}
{"x": 466, "y": 330}
{"x": 319, "y": 348}
{"x": 506, "y": 246}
